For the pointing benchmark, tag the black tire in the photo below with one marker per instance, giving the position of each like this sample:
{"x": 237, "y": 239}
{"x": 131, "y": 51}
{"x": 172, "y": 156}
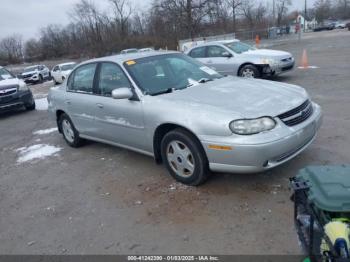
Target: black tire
{"x": 198, "y": 157}
{"x": 54, "y": 81}
{"x": 31, "y": 107}
{"x": 75, "y": 140}
{"x": 41, "y": 79}
{"x": 251, "y": 69}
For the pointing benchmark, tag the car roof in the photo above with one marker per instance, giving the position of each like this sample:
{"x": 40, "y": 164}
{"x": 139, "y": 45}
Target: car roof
{"x": 121, "y": 58}
{"x": 219, "y": 42}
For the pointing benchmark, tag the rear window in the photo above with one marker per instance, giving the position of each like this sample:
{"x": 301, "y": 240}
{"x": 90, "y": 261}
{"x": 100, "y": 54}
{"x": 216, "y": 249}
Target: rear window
{"x": 82, "y": 79}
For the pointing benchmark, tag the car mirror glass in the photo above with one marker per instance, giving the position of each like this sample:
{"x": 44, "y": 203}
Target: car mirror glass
{"x": 122, "y": 93}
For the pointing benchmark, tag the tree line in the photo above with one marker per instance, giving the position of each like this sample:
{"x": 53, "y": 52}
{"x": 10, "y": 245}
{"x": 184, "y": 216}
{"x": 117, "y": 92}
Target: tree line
{"x": 93, "y": 32}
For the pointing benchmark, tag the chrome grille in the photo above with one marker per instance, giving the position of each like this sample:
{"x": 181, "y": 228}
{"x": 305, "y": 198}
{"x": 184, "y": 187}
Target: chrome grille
{"x": 298, "y": 114}
{"x": 8, "y": 91}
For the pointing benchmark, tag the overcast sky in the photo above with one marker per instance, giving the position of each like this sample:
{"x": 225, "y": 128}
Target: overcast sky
{"x": 25, "y": 17}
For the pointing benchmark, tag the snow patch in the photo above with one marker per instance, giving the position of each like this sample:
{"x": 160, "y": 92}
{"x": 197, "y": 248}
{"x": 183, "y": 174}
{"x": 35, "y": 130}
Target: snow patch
{"x": 39, "y": 151}
{"x": 41, "y": 104}
{"x": 45, "y": 131}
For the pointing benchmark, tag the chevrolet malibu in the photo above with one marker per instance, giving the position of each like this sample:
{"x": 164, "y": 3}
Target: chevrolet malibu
{"x": 184, "y": 114}
{"x": 232, "y": 57}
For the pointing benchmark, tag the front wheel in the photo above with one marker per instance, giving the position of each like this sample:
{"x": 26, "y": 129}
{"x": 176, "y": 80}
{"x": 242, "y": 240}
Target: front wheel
{"x": 70, "y": 134}
{"x": 249, "y": 71}
{"x": 41, "y": 79}
{"x": 31, "y": 107}
{"x": 184, "y": 157}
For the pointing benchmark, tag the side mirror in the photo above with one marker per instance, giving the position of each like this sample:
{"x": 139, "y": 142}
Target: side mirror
{"x": 227, "y": 54}
{"x": 122, "y": 93}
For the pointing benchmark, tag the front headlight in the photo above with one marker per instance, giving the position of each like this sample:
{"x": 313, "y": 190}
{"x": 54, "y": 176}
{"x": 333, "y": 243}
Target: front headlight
{"x": 269, "y": 61}
{"x": 22, "y": 87}
{"x": 252, "y": 126}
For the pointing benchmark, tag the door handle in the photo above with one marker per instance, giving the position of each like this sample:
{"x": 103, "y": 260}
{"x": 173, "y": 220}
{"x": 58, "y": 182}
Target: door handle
{"x": 99, "y": 105}
{"x": 209, "y": 61}
{"x": 68, "y": 102}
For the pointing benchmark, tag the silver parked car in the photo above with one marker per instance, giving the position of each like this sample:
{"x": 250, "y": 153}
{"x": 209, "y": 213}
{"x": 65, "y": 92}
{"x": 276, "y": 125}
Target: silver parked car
{"x": 184, "y": 114}
{"x": 232, "y": 57}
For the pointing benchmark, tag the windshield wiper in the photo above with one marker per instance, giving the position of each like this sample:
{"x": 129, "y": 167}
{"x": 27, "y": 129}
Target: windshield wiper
{"x": 205, "y": 80}
{"x": 165, "y": 91}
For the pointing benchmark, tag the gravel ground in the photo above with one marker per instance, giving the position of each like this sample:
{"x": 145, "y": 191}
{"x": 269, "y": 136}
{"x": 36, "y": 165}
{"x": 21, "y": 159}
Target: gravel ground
{"x": 100, "y": 199}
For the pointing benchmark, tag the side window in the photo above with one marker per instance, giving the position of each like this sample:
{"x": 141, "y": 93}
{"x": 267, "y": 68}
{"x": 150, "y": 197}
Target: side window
{"x": 56, "y": 68}
{"x": 216, "y": 51}
{"x": 41, "y": 68}
{"x": 111, "y": 77}
{"x": 198, "y": 52}
{"x": 82, "y": 80}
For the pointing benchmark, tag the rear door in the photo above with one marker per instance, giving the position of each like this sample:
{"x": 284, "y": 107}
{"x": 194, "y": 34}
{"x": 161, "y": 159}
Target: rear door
{"x": 118, "y": 120}
{"x": 80, "y": 99}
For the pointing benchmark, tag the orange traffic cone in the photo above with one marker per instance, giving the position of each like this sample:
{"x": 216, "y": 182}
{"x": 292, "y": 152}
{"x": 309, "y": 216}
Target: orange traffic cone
{"x": 304, "y": 60}
{"x": 257, "y": 40}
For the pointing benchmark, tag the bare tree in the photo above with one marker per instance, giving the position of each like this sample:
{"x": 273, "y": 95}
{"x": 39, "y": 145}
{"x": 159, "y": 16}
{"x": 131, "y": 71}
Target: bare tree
{"x": 322, "y": 9}
{"x": 282, "y": 8}
{"x": 12, "y": 48}
{"x": 233, "y": 5}
{"x": 122, "y": 11}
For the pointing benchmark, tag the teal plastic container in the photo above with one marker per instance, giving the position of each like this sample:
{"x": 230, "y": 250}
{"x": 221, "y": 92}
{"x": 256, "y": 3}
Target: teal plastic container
{"x": 329, "y": 187}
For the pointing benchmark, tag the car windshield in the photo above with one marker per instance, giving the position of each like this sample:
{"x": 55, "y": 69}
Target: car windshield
{"x": 4, "y": 74}
{"x": 30, "y": 69}
{"x": 239, "y": 47}
{"x": 164, "y": 73}
{"x": 67, "y": 67}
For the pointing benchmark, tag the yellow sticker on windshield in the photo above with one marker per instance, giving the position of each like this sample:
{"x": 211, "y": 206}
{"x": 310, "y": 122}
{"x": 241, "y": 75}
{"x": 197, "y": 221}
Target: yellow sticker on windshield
{"x": 130, "y": 62}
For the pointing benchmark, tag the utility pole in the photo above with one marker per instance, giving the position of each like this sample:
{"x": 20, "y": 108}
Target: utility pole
{"x": 273, "y": 13}
{"x": 305, "y": 14}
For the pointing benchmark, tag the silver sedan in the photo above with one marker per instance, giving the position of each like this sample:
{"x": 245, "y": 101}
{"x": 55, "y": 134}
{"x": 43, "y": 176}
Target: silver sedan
{"x": 232, "y": 57}
{"x": 184, "y": 114}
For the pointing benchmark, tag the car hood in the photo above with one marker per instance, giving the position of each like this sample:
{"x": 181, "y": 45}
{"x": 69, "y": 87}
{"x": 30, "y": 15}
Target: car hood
{"x": 9, "y": 82}
{"x": 29, "y": 73}
{"x": 245, "y": 98}
{"x": 267, "y": 53}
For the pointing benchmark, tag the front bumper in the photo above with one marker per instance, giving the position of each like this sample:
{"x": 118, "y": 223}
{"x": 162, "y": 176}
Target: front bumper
{"x": 249, "y": 155}
{"x": 17, "y": 100}
{"x": 31, "y": 79}
{"x": 279, "y": 68}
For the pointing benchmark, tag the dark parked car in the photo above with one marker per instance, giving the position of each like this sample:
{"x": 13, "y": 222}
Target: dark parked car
{"x": 14, "y": 93}
{"x": 325, "y": 27}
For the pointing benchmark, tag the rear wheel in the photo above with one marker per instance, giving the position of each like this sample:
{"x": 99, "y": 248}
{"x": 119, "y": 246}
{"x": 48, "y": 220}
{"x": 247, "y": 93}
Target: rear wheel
{"x": 249, "y": 71}
{"x": 184, "y": 157}
{"x": 70, "y": 134}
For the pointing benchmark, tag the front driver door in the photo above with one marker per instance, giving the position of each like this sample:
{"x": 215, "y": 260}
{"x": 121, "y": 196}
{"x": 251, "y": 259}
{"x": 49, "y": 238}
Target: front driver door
{"x": 119, "y": 121}
{"x": 217, "y": 59}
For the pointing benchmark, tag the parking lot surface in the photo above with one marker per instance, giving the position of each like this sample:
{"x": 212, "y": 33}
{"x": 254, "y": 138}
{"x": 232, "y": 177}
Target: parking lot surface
{"x": 100, "y": 199}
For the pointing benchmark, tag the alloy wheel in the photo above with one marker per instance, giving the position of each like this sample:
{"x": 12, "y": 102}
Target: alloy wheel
{"x": 68, "y": 130}
{"x": 248, "y": 73}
